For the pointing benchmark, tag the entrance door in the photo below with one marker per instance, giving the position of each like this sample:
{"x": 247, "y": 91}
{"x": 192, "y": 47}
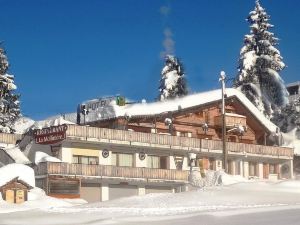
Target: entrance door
{"x": 20, "y": 197}
{"x": 10, "y": 196}
{"x": 266, "y": 170}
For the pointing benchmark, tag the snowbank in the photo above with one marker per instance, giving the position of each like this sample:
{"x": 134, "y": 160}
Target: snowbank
{"x": 244, "y": 195}
{"x": 214, "y": 178}
{"x": 44, "y": 157}
{"x": 254, "y": 196}
{"x": 11, "y": 171}
{"x": 17, "y": 155}
{"x": 227, "y": 179}
{"x": 37, "y": 199}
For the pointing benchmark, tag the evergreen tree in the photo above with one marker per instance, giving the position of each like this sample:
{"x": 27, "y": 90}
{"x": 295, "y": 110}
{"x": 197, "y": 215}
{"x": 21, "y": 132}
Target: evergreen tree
{"x": 288, "y": 117}
{"x": 9, "y": 101}
{"x": 172, "y": 82}
{"x": 259, "y": 65}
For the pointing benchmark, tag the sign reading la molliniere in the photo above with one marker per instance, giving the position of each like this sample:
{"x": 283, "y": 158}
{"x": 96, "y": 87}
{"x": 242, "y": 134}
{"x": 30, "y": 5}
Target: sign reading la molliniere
{"x": 50, "y": 135}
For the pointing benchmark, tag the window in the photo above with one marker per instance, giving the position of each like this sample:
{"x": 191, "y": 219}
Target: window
{"x": 81, "y": 159}
{"x": 237, "y": 168}
{"x": 272, "y": 169}
{"x": 153, "y": 161}
{"x": 121, "y": 159}
{"x": 252, "y": 169}
{"x": 211, "y": 163}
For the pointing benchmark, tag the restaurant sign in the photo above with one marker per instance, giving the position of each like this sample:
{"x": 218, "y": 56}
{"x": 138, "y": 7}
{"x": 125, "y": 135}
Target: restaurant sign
{"x": 50, "y": 135}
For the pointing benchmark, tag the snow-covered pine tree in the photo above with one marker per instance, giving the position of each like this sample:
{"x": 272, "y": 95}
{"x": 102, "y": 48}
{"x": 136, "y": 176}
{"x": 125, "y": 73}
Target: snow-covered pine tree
{"x": 9, "y": 101}
{"x": 259, "y": 65}
{"x": 172, "y": 82}
{"x": 288, "y": 117}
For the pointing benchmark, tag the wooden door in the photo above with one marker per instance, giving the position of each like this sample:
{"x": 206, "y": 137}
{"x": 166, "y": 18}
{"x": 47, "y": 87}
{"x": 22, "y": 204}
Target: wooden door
{"x": 20, "y": 196}
{"x": 266, "y": 170}
{"x": 10, "y": 196}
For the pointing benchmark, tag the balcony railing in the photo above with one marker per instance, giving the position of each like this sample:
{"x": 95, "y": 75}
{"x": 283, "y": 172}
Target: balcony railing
{"x": 231, "y": 120}
{"x": 9, "y": 138}
{"x": 183, "y": 143}
{"x": 67, "y": 169}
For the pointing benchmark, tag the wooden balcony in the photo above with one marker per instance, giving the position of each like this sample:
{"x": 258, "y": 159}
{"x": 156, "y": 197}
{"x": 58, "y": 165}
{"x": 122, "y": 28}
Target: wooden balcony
{"x": 185, "y": 144}
{"x": 9, "y": 138}
{"x": 67, "y": 169}
{"x": 231, "y": 120}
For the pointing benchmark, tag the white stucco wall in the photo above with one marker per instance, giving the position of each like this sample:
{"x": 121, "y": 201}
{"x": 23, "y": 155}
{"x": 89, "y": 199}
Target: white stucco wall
{"x": 138, "y": 162}
{"x": 104, "y": 161}
{"x": 66, "y": 155}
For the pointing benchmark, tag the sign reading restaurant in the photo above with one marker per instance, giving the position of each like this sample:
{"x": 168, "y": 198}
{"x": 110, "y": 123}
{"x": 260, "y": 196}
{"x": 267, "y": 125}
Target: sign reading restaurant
{"x": 50, "y": 135}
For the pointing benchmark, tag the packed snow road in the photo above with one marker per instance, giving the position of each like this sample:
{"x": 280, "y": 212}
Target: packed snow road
{"x": 275, "y": 215}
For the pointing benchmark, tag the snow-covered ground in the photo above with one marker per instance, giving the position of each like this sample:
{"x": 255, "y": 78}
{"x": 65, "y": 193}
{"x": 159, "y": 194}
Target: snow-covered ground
{"x": 210, "y": 205}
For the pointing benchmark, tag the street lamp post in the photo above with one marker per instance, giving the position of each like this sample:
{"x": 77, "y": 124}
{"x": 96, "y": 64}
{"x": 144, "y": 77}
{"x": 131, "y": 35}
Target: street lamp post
{"x": 225, "y": 161}
{"x": 84, "y": 111}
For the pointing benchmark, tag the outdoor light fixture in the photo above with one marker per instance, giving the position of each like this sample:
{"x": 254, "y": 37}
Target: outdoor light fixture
{"x": 84, "y": 112}
{"x": 205, "y": 127}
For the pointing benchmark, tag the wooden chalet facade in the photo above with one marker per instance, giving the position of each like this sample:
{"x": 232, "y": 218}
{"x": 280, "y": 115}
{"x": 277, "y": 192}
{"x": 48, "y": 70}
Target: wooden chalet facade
{"x": 146, "y": 148}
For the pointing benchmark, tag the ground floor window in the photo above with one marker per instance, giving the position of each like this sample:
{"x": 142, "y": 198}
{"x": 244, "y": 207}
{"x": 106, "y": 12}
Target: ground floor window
{"x": 81, "y": 159}
{"x": 122, "y": 159}
{"x": 273, "y": 168}
{"x": 234, "y": 167}
{"x": 270, "y": 168}
{"x": 253, "y": 169}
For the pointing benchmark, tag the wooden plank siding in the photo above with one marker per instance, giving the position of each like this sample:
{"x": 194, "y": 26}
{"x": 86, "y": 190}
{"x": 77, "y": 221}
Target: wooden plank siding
{"x": 230, "y": 121}
{"x": 9, "y": 138}
{"x": 195, "y": 144}
{"x": 57, "y": 168}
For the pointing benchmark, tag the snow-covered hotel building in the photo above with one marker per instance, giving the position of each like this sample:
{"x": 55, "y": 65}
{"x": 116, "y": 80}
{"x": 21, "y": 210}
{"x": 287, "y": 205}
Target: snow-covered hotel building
{"x": 141, "y": 148}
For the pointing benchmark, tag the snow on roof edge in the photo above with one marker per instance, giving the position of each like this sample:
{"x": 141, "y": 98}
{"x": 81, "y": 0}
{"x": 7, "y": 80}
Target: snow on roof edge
{"x": 189, "y": 101}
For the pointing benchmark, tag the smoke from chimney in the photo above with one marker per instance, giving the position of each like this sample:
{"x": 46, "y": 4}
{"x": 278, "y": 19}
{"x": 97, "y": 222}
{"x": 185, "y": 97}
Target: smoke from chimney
{"x": 168, "y": 42}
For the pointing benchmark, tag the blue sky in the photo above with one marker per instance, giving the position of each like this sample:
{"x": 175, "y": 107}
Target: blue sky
{"x": 63, "y": 52}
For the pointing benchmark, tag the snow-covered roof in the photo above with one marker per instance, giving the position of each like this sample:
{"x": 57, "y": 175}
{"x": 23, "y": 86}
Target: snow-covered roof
{"x": 44, "y": 157}
{"x": 49, "y": 123}
{"x": 142, "y": 109}
{"x": 17, "y": 155}
{"x": 297, "y": 83}
{"x": 11, "y": 171}
{"x": 71, "y": 117}
{"x": 22, "y": 125}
